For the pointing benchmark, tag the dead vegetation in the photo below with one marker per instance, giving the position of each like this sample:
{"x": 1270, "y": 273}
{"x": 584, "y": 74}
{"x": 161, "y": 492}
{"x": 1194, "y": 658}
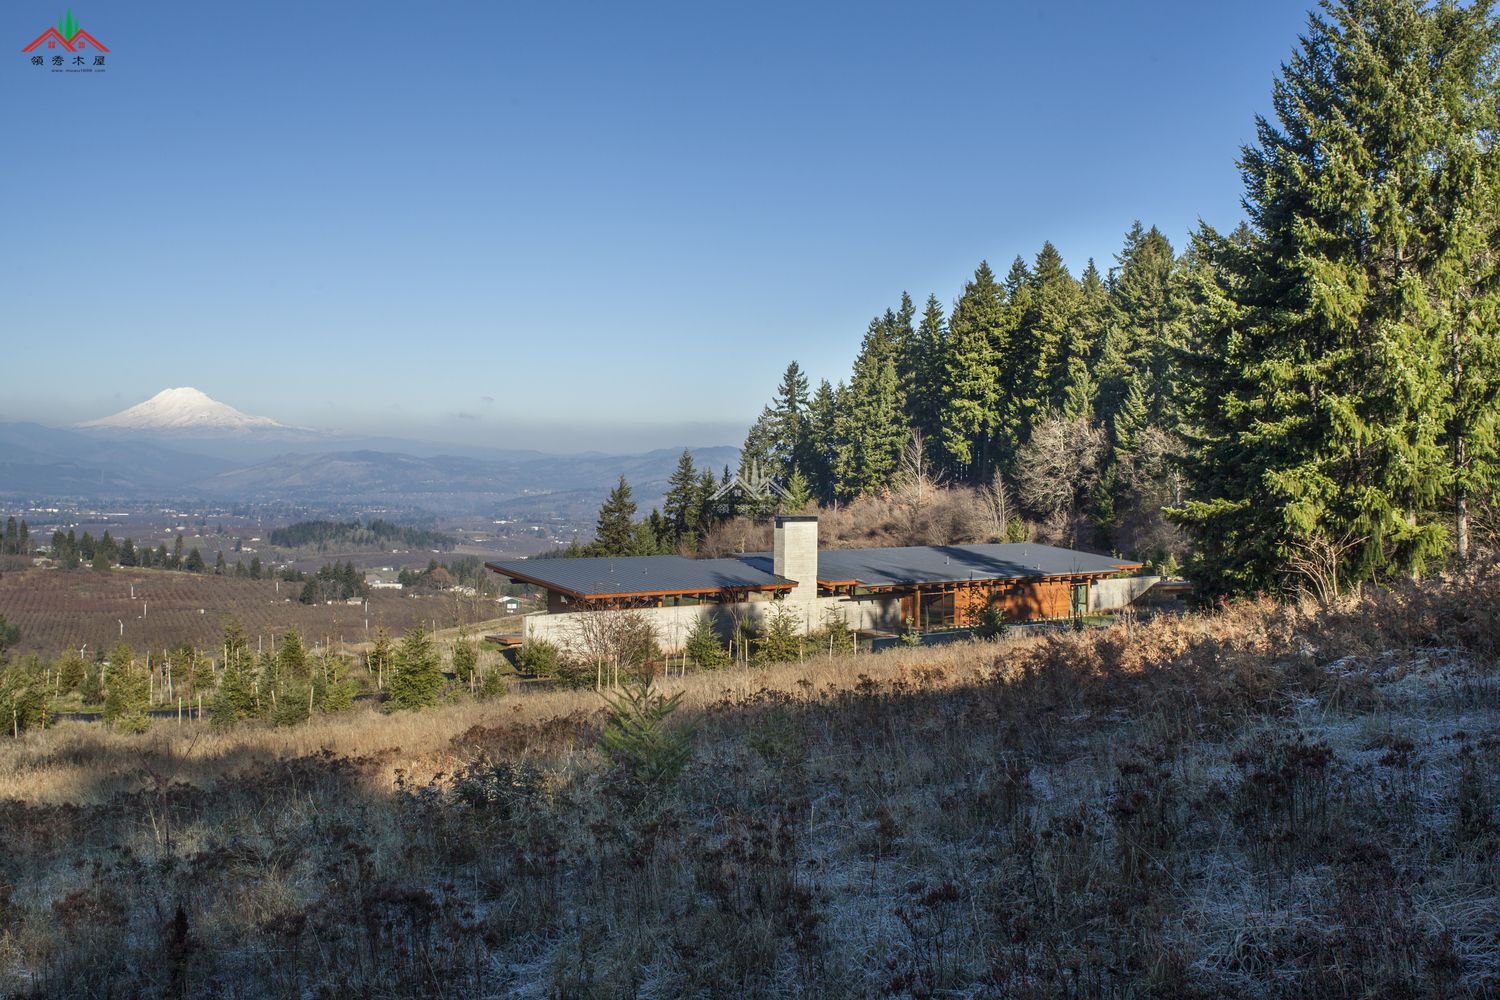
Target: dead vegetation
{"x": 1266, "y": 801}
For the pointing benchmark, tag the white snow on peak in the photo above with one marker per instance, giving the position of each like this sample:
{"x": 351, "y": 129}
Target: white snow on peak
{"x": 182, "y": 409}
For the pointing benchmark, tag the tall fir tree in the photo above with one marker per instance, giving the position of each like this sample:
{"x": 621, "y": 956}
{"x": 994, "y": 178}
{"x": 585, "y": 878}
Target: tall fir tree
{"x": 788, "y": 446}
{"x": 870, "y": 430}
{"x": 1042, "y": 337}
{"x": 1320, "y": 448}
{"x": 682, "y": 505}
{"x": 971, "y": 416}
{"x": 614, "y": 532}
{"x": 822, "y": 441}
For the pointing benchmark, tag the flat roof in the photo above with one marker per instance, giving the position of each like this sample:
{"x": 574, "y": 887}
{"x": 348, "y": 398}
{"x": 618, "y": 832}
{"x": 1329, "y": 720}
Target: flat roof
{"x": 632, "y": 576}
{"x": 915, "y": 564}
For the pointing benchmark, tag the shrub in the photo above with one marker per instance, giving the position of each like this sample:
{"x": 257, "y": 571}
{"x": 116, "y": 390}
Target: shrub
{"x": 23, "y": 696}
{"x": 539, "y": 658}
{"x": 70, "y": 672}
{"x": 637, "y": 741}
{"x": 465, "y": 660}
{"x": 127, "y": 692}
{"x": 418, "y": 675}
{"x": 703, "y": 645}
{"x": 781, "y": 635}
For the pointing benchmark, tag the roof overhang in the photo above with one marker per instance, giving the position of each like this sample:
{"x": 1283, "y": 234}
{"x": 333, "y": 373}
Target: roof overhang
{"x": 511, "y": 574}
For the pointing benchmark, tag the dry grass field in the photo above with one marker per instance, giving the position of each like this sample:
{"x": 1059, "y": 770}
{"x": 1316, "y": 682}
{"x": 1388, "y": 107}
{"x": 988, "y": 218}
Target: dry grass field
{"x": 62, "y": 609}
{"x": 1267, "y": 801}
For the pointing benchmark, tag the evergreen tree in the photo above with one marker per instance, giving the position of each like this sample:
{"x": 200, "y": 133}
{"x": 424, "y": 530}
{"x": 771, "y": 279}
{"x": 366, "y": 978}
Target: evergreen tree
{"x": 870, "y": 431}
{"x": 788, "y": 429}
{"x": 127, "y": 692}
{"x": 703, "y": 645}
{"x": 235, "y": 699}
{"x": 417, "y": 678}
{"x": 683, "y": 504}
{"x": 705, "y": 504}
{"x": 1042, "y": 337}
{"x": 798, "y": 493}
{"x": 1085, "y": 340}
{"x": 615, "y": 533}
{"x": 255, "y": 568}
{"x": 291, "y": 658}
{"x": 465, "y": 660}
{"x": 194, "y": 562}
{"x": 971, "y": 414}
{"x": 382, "y": 656}
{"x": 1321, "y": 453}
{"x": 921, "y": 373}
{"x": 822, "y": 442}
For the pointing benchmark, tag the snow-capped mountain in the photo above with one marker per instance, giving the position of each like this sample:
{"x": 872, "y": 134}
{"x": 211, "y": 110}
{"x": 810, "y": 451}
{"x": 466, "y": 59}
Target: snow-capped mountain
{"x": 183, "y": 409}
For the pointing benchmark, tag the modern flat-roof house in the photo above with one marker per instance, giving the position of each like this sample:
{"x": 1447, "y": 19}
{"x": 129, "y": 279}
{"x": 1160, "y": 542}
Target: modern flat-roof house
{"x": 927, "y": 586}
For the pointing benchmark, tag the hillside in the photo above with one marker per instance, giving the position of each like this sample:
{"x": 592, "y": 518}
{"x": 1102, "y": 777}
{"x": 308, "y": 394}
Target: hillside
{"x": 1268, "y": 801}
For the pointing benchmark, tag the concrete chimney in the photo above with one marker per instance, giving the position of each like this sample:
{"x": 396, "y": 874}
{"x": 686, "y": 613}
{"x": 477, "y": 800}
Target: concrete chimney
{"x": 794, "y": 553}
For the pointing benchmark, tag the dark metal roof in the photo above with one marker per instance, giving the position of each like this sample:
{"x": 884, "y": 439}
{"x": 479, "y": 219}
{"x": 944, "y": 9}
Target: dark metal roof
{"x": 597, "y": 577}
{"x": 913, "y": 564}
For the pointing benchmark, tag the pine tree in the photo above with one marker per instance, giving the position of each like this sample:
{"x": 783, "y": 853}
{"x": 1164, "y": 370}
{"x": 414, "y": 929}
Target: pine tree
{"x": 465, "y": 660}
{"x": 1041, "y": 338}
{"x": 1082, "y": 345}
{"x": 382, "y": 656}
{"x": 1321, "y": 454}
{"x": 971, "y": 414}
{"x": 906, "y": 351}
{"x": 870, "y": 430}
{"x": 921, "y": 373}
{"x": 703, "y": 645}
{"x": 291, "y": 658}
{"x": 682, "y": 504}
{"x": 418, "y": 677}
{"x": 235, "y": 699}
{"x": 788, "y": 444}
{"x": 615, "y": 533}
{"x": 127, "y": 692}
{"x": 822, "y": 438}
{"x": 194, "y": 561}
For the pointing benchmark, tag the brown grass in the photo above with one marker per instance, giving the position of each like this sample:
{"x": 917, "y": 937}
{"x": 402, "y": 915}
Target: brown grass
{"x": 1266, "y": 801}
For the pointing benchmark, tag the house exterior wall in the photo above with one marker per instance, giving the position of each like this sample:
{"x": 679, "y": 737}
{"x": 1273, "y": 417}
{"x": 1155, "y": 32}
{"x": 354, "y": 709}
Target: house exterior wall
{"x": 1108, "y": 595}
{"x": 674, "y": 623}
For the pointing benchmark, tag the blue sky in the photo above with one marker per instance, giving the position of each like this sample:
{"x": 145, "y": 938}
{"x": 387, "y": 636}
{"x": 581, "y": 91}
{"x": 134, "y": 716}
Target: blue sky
{"x": 573, "y": 226}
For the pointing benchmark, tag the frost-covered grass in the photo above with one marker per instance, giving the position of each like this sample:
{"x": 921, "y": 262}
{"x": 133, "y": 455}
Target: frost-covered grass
{"x": 1264, "y": 801}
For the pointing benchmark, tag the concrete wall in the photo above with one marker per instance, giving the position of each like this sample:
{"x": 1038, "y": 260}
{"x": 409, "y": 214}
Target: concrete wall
{"x": 673, "y": 624}
{"x": 1108, "y": 595}
{"x": 794, "y": 554}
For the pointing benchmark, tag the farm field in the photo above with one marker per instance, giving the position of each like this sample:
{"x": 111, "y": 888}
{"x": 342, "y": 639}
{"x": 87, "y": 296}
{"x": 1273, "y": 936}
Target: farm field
{"x": 61, "y": 609}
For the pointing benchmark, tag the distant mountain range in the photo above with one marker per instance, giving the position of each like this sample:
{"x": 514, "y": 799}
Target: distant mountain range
{"x": 183, "y": 445}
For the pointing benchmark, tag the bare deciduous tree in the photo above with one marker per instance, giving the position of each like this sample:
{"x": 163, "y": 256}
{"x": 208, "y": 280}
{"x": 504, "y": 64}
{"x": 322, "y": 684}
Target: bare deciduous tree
{"x": 611, "y": 639}
{"x": 998, "y": 505}
{"x": 916, "y": 485}
{"x": 1058, "y": 466}
{"x": 1316, "y": 560}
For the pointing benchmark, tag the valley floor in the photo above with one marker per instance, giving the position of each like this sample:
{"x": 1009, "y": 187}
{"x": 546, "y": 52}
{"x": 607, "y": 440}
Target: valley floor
{"x": 1267, "y": 801}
